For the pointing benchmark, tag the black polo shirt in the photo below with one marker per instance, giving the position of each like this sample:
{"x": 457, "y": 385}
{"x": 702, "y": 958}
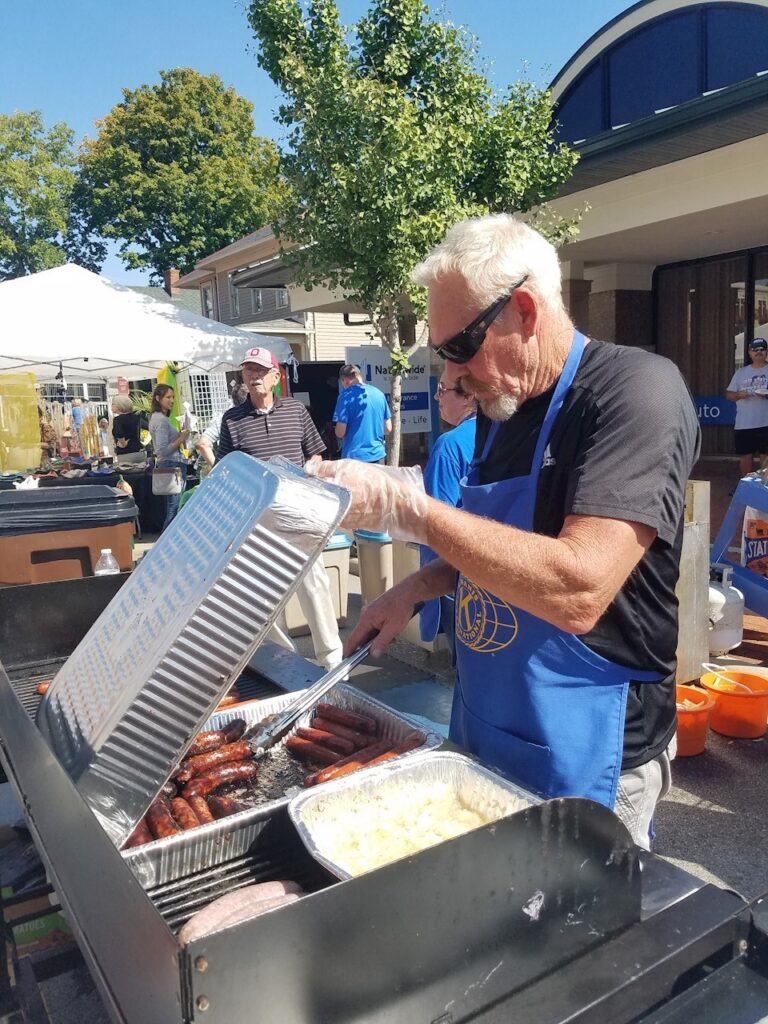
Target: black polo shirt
{"x": 287, "y": 430}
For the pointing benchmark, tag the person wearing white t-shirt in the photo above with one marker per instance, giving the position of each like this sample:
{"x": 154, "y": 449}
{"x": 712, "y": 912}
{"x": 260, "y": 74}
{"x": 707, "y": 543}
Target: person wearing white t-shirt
{"x": 749, "y": 389}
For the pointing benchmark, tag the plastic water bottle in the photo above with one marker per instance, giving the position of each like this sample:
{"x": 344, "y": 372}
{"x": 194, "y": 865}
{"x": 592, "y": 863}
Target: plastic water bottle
{"x": 107, "y": 564}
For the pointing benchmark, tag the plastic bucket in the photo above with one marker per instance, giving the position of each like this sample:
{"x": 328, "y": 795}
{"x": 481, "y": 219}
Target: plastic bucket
{"x": 740, "y": 711}
{"x": 692, "y": 722}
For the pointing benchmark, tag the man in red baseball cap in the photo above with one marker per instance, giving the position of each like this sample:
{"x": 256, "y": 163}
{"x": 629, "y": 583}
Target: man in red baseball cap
{"x": 263, "y": 426}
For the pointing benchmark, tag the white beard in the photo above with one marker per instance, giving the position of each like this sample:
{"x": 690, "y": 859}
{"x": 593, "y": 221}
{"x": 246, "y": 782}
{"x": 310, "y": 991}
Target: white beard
{"x": 502, "y": 407}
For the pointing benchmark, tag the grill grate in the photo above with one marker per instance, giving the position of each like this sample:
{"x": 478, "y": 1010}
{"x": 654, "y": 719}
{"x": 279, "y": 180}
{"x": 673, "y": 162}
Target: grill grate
{"x": 25, "y": 680}
{"x": 277, "y": 854}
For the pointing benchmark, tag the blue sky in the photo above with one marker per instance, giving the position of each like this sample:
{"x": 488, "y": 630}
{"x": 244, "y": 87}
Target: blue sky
{"x": 70, "y": 59}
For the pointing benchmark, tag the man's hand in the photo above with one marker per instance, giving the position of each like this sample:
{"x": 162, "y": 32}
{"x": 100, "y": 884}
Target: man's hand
{"x": 380, "y": 501}
{"x": 388, "y": 616}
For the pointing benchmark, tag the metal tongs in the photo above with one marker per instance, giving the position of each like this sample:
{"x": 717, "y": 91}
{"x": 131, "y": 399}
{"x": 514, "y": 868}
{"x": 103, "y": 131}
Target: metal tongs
{"x": 262, "y": 737}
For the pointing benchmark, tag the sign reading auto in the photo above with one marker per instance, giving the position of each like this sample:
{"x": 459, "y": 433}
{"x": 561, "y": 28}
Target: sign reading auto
{"x": 374, "y": 362}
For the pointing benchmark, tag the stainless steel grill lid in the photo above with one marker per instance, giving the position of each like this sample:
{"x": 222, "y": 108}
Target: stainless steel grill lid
{"x": 137, "y": 689}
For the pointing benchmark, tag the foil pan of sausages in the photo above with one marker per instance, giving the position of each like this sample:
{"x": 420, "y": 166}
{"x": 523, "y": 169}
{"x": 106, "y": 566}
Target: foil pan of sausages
{"x": 195, "y": 823}
{"x": 367, "y": 820}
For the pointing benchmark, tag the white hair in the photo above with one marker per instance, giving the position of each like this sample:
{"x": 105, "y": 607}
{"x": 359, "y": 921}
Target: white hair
{"x": 122, "y": 404}
{"x": 492, "y": 253}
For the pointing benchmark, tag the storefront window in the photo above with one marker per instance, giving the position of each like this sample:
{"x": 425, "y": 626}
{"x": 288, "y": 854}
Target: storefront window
{"x": 760, "y": 312}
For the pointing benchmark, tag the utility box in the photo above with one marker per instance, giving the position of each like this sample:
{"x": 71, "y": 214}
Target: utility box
{"x": 375, "y": 560}
{"x": 336, "y": 561}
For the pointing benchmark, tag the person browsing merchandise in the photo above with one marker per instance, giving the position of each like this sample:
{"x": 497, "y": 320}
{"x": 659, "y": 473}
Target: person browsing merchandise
{"x": 749, "y": 389}
{"x": 446, "y": 467}
{"x": 167, "y": 443}
{"x": 565, "y": 553}
{"x": 361, "y": 417}
{"x": 265, "y": 425}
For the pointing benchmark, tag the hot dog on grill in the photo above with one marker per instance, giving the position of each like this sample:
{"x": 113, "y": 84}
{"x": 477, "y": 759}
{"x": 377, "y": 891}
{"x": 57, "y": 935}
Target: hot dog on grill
{"x": 200, "y": 806}
{"x": 227, "y": 702}
{"x": 203, "y": 785}
{"x": 139, "y": 836}
{"x": 356, "y": 761}
{"x": 183, "y": 814}
{"x": 328, "y": 739}
{"x": 358, "y": 739}
{"x": 223, "y": 806}
{"x": 209, "y": 740}
{"x": 359, "y": 758}
{"x": 308, "y": 751}
{"x": 160, "y": 820}
{"x": 363, "y": 723}
{"x": 44, "y": 687}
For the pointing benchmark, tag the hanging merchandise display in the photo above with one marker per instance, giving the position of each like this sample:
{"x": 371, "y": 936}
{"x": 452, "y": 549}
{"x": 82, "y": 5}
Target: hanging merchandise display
{"x": 19, "y": 423}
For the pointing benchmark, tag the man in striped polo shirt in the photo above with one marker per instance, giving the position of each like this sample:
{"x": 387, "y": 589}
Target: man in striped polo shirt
{"x": 264, "y": 425}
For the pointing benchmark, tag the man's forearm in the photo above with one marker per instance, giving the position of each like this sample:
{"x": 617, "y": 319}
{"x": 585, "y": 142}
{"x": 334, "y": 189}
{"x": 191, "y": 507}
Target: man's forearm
{"x": 568, "y": 580}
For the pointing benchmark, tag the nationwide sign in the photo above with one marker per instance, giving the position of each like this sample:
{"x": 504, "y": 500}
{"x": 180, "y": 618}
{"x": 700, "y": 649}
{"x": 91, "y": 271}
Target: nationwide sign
{"x": 376, "y": 367}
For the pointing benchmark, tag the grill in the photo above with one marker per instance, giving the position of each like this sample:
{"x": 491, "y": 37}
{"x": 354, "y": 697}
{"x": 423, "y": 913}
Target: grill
{"x": 547, "y": 916}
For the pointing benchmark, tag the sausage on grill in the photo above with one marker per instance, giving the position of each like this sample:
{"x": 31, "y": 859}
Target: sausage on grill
{"x": 328, "y": 739}
{"x": 160, "y": 820}
{"x": 234, "y": 730}
{"x": 209, "y": 740}
{"x": 183, "y": 814}
{"x": 363, "y": 723}
{"x": 139, "y": 836}
{"x": 308, "y": 751}
{"x": 223, "y": 806}
{"x": 204, "y": 763}
{"x": 203, "y": 785}
{"x": 358, "y": 739}
{"x": 200, "y": 806}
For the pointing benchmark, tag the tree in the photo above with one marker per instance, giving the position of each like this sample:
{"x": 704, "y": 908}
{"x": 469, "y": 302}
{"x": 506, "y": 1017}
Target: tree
{"x": 37, "y": 175}
{"x": 393, "y": 136}
{"x": 176, "y": 172}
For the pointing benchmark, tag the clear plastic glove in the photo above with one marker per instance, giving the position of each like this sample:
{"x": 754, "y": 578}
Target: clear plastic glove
{"x": 381, "y": 499}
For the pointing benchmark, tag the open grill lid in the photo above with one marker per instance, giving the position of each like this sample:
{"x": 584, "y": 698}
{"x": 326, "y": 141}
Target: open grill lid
{"x": 127, "y": 703}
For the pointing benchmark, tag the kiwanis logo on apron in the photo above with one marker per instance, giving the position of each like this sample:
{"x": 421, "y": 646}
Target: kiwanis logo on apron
{"x": 484, "y": 623}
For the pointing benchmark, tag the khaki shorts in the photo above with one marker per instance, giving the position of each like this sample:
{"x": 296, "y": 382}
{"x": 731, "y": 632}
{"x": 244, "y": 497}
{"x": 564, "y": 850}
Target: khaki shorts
{"x": 640, "y": 789}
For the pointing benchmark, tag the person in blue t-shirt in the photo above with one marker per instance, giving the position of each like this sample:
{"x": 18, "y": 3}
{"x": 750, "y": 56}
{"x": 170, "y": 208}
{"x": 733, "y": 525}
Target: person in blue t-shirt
{"x": 447, "y": 465}
{"x": 361, "y": 417}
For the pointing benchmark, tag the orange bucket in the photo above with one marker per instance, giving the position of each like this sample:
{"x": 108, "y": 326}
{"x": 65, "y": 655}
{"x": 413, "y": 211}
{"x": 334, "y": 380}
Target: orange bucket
{"x": 741, "y": 702}
{"x": 692, "y": 722}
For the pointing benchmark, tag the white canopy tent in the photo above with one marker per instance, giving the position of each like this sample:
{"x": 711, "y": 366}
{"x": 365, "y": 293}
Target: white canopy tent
{"x": 98, "y": 330}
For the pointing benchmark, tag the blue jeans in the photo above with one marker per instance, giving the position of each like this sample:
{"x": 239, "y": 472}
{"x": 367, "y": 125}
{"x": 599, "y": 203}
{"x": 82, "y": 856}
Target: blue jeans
{"x": 172, "y": 501}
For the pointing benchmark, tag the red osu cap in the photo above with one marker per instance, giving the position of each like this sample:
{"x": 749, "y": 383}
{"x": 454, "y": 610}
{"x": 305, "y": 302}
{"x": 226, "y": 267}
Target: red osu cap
{"x": 261, "y": 357}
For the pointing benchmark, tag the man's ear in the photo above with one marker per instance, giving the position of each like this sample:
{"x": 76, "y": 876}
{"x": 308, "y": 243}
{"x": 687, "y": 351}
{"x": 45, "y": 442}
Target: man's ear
{"x": 528, "y": 311}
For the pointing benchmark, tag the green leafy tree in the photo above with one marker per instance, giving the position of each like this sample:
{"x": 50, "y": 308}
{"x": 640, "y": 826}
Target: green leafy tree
{"x": 175, "y": 173}
{"x": 37, "y": 175}
{"x": 393, "y": 135}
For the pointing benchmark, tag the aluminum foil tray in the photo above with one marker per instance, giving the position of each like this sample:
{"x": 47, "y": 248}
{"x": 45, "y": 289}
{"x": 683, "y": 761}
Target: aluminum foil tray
{"x": 478, "y": 788}
{"x": 165, "y": 860}
{"x": 139, "y": 686}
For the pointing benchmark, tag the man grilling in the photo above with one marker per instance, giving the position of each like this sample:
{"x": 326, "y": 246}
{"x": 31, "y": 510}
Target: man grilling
{"x": 565, "y": 554}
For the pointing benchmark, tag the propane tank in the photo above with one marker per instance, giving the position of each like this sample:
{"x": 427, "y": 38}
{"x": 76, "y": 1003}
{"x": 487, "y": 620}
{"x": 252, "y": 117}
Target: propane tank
{"x": 726, "y": 611}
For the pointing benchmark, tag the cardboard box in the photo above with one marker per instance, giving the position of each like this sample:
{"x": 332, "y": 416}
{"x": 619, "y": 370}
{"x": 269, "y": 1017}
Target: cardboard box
{"x": 47, "y": 929}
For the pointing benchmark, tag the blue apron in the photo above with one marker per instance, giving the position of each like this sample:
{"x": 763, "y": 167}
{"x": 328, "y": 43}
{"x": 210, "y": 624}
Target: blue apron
{"x": 530, "y": 699}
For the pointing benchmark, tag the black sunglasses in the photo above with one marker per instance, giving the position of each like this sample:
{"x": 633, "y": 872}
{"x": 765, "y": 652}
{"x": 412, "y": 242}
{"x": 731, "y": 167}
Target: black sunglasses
{"x": 466, "y": 344}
